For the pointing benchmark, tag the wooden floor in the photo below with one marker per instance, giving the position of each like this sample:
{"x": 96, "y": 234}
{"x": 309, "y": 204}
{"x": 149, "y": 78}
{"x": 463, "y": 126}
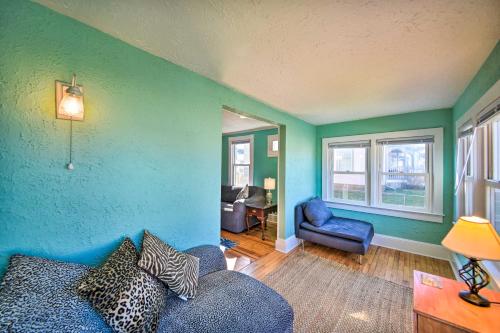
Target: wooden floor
{"x": 250, "y": 246}
{"x": 258, "y": 258}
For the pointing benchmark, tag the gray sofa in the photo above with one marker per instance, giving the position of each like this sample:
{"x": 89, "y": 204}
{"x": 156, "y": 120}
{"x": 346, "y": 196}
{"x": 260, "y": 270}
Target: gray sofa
{"x": 38, "y": 295}
{"x": 340, "y": 233}
{"x": 232, "y": 214}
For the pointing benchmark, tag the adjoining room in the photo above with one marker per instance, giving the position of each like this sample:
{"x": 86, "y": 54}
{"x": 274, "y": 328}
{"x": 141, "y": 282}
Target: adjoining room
{"x": 249, "y": 178}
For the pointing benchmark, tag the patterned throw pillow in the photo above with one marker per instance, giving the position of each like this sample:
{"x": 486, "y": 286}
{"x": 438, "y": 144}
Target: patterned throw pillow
{"x": 179, "y": 271}
{"x": 243, "y": 193}
{"x": 129, "y": 299}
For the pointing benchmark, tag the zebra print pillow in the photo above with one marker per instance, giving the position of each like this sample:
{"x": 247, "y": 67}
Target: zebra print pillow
{"x": 243, "y": 193}
{"x": 179, "y": 271}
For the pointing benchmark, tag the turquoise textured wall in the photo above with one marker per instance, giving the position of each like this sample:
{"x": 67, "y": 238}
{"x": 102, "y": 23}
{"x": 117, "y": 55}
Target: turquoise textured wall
{"x": 147, "y": 155}
{"x": 394, "y": 226}
{"x": 487, "y": 76}
{"x": 264, "y": 166}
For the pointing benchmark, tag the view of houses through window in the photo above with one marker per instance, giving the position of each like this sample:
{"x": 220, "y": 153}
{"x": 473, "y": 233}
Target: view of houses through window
{"x": 385, "y": 171}
{"x": 349, "y": 174}
{"x": 404, "y": 175}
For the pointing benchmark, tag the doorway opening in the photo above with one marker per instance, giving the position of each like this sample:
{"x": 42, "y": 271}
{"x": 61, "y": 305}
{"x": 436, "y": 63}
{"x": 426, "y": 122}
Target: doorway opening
{"x": 249, "y": 187}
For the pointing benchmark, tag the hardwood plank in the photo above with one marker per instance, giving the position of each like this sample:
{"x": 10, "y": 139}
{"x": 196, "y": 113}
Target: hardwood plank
{"x": 257, "y": 258}
{"x": 388, "y": 264}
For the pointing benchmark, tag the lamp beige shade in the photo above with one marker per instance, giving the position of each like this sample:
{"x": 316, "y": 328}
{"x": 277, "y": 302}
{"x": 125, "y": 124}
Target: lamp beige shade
{"x": 473, "y": 237}
{"x": 269, "y": 183}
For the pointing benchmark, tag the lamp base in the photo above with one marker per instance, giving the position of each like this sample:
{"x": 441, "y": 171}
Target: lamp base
{"x": 475, "y": 299}
{"x": 476, "y": 278}
{"x": 269, "y": 198}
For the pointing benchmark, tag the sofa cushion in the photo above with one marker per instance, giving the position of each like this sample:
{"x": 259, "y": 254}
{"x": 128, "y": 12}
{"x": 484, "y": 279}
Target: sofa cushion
{"x": 228, "y": 301}
{"x": 316, "y": 212}
{"x": 39, "y": 295}
{"x": 129, "y": 299}
{"x": 229, "y": 193}
{"x": 179, "y": 271}
{"x": 211, "y": 258}
{"x": 341, "y": 227}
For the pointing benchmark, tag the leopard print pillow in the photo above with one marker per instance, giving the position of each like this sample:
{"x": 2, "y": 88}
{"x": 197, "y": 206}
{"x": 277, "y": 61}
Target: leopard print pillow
{"x": 129, "y": 299}
{"x": 179, "y": 271}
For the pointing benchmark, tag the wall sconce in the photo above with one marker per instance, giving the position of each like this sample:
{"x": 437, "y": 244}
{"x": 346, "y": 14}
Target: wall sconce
{"x": 69, "y": 106}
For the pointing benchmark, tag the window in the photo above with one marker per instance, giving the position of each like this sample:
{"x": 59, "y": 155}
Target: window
{"x": 477, "y": 187}
{"x": 468, "y": 143}
{"x": 493, "y": 173}
{"x": 386, "y": 173}
{"x": 348, "y": 181}
{"x": 478, "y": 166}
{"x": 273, "y": 145}
{"x": 241, "y": 160}
{"x": 404, "y": 173}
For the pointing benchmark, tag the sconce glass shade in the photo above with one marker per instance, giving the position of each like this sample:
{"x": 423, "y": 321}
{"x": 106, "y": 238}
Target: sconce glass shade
{"x": 71, "y": 105}
{"x": 69, "y": 100}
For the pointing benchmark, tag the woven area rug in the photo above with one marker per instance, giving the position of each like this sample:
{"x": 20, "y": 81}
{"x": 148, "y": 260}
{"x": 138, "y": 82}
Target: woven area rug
{"x": 330, "y": 297}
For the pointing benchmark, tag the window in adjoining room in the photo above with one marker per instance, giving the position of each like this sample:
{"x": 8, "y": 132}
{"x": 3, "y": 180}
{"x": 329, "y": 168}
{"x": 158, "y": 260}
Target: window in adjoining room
{"x": 273, "y": 145}
{"x": 241, "y": 160}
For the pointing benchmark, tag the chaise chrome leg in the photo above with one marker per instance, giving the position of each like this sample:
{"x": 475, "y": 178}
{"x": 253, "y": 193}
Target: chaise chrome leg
{"x": 360, "y": 259}
{"x": 302, "y": 243}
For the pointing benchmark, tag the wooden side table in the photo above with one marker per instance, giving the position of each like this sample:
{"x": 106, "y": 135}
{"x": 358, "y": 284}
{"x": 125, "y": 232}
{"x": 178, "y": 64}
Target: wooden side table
{"x": 441, "y": 310}
{"x": 260, "y": 212}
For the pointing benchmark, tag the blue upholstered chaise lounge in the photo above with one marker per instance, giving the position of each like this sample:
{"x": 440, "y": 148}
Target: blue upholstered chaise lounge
{"x": 38, "y": 295}
{"x": 336, "y": 232}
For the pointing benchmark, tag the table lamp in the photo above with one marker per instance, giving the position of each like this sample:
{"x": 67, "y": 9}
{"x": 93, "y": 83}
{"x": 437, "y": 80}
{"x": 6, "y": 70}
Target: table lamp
{"x": 476, "y": 239}
{"x": 269, "y": 184}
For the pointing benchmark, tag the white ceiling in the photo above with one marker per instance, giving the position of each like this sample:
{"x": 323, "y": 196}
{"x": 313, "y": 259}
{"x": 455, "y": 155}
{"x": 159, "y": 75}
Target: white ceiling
{"x": 232, "y": 122}
{"x": 323, "y": 61}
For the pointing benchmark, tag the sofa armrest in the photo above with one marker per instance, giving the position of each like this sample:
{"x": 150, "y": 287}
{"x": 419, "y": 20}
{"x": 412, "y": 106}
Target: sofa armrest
{"x": 299, "y": 218}
{"x": 240, "y": 207}
{"x": 211, "y": 258}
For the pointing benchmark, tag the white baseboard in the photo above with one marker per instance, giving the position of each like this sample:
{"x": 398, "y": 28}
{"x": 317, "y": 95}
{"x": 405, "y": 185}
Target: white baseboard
{"x": 287, "y": 245}
{"x": 408, "y": 245}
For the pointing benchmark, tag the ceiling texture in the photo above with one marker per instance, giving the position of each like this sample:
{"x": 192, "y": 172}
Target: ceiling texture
{"x": 232, "y": 122}
{"x": 322, "y": 61}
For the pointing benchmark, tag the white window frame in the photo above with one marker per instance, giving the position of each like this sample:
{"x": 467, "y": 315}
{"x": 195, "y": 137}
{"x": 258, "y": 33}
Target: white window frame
{"x": 332, "y": 172}
{"x": 491, "y": 164}
{"x": 434, "y": 211}
{"x": 240, "y": 139}
{"x": 270, "y": 140}
{"x": 470, "y": 171}
{"x": 428, "y": 181}
{"x": 472, "y": 116}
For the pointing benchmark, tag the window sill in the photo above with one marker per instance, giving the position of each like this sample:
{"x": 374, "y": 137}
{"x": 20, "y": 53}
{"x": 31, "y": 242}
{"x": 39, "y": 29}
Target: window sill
{"x": 428, "y": 217}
